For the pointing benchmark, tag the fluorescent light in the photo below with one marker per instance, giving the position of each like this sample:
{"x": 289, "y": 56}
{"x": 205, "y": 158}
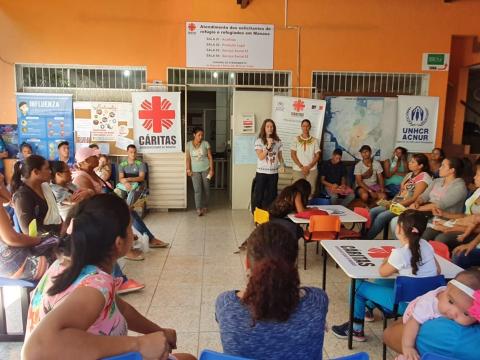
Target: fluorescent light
{"x": 232, "y": 75}
{"x": 126, "y": 73}
{"x": 215, "y": 74}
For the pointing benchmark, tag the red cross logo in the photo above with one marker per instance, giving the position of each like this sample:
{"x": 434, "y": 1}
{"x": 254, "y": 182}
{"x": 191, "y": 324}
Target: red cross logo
{"x": 156, "y": 114}
{"x": 298, "y": 105}
{"x": 192, "y": 27}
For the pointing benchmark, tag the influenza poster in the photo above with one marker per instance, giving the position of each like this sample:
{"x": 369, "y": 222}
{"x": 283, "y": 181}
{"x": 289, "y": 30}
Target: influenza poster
{"x": 157, "y": 124}
{"x": 45, "y": 120}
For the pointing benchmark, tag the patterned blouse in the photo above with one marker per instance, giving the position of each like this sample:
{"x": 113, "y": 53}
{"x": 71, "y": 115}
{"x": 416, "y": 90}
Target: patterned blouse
{"x": 109, "y": 322}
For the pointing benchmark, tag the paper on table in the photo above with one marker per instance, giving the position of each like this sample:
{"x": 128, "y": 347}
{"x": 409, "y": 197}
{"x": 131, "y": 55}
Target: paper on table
{"x": 123, "y": 142}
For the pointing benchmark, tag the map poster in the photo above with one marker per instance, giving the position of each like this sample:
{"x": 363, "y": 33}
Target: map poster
{"x": 351, "y": 122}
{"x": 417, "y": 123}
{"x": 288, "y": 113}
{"x": 45, "y": 120}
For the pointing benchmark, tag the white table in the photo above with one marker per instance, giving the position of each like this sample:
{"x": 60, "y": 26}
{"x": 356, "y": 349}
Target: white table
{"x": 346, "y": 215}
{"x": 353, "y": 255}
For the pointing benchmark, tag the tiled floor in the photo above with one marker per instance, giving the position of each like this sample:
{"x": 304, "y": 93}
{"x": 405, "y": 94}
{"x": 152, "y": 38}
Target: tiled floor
{"x": 183, "y": 281}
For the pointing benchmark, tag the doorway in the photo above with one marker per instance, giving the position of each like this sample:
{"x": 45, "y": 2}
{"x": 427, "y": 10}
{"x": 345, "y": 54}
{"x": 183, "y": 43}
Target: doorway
{"x": 208, "y": 108}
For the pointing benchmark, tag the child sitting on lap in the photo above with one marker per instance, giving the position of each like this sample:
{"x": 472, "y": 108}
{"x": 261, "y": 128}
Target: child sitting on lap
{"x": 458, "y": 301}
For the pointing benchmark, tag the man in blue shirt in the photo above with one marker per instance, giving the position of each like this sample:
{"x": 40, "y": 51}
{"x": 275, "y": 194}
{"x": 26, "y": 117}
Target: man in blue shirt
{"x": 64, "y": 153}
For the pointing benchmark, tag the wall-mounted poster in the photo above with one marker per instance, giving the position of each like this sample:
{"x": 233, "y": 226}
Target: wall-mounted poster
{"x": 157, "y": 126}
{"x": 105, "y": 123}
{"x": 9, "y": 134}
{"x": 417, "y": 123}
{"x": 45, "y": 120}
{"x": 351, "y": 122}
{"x": 229, "y": 45}
{"x": 288, "y": 114}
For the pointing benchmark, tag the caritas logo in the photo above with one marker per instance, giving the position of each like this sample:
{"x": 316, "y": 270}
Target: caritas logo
{"x": 298, "y": 105}
{"x": 191, "y": 27}
{"x": 156, "y": 114}
{"x": 381, "y": 252}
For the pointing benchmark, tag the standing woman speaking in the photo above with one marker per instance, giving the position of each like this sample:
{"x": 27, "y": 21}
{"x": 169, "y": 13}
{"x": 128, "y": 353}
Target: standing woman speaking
{"x": 200, "y": 168}
{"x": 269, "y": 161}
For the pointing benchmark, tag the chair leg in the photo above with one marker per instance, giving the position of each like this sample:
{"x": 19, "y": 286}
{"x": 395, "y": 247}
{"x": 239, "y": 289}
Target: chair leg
{"x": 317, "y": 247}
{"x": 304, "y": 254}
{"x": 3, "y": 317}
{"x": 385, "y": 231}
{"x": 25, "y": 301}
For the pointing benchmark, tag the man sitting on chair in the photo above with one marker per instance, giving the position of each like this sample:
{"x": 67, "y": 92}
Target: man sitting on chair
{"x": 131, "y": 177}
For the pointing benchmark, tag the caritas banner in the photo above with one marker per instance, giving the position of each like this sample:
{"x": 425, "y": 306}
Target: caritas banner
{"x": 157, "y": 124}
{"x": 417, "y": 123}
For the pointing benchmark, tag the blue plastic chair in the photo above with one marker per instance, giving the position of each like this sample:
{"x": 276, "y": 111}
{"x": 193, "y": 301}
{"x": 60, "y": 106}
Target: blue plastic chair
{"x": 126, "y": 356}
{"x": 357, "y": 356}
{"x": 430, "y": 356}
{"x": 320, "y": 201}
{"x": 408, "y": 288}
{"x": 213, "y": 355}
{"x": 26, "y": 287}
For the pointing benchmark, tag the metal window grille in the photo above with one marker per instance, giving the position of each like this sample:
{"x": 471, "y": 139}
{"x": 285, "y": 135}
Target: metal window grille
{"x": 330, "y": 83}
{"x": 270, "y": 79}
{"x": 84, "y": 82}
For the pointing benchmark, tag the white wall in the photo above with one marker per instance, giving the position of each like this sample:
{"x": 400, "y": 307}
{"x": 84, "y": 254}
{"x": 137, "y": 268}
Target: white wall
{"x": 260, "y": 103}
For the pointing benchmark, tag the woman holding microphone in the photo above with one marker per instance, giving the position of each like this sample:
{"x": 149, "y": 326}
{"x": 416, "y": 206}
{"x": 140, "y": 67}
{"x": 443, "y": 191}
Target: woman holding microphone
{"x": 269, "y": 162}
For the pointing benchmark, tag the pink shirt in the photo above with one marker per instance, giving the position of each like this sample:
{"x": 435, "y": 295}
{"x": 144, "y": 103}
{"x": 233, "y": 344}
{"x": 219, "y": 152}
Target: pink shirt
{"x": 110, "y": 321}
{"x": 424, "y": 307}
{"x": 96, "y": 184}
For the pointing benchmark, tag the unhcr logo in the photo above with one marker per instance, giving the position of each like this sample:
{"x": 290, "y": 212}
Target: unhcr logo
{"x": 417, "y": 115}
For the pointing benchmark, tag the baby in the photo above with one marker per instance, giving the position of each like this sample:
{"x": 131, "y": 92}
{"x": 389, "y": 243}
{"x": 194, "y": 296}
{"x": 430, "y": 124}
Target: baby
{"x": 458, "y": 301}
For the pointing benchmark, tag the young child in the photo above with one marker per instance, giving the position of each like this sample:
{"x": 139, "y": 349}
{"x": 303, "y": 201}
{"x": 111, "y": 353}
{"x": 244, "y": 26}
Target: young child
{"x": 414, "y": 258}
{"x": 454, "y": 301}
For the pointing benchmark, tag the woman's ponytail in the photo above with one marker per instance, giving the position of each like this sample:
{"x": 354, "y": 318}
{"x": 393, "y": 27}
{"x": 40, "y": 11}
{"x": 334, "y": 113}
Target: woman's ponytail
{"x": 16, "y": 181}
{"x": 413, "y": 223}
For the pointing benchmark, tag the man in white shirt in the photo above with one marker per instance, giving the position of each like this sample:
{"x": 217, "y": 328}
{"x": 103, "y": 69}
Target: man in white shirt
{"x": 305, "y": 153}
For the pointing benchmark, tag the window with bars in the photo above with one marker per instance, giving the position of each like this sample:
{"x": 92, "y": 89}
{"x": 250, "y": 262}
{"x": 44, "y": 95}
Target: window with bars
{"x": 270, "y": 79}
{"x": 330, "y": 83}
{"x": 40, "y": 76}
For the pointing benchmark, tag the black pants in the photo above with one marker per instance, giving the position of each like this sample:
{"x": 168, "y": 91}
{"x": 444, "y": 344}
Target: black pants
{"x": 265, "y": 189}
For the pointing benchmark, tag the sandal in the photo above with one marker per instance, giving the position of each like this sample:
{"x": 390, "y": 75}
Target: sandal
{"x": 134, "y": 255}
{"x": 156, "y": 243}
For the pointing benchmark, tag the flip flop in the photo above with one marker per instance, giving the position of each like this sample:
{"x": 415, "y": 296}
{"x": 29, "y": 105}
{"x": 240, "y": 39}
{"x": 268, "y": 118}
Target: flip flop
{"x": 155, "y": 244}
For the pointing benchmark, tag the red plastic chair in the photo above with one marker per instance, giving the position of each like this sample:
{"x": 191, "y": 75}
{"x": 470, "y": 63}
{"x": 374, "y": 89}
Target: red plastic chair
{"x": 321, "y": 227}
{"x": 440, "y": 249}
{"x": 352, "y": 234}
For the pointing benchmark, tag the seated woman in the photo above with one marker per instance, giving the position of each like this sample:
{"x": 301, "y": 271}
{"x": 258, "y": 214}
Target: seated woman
{"x": 436, "y": 159}
{"x": 293, "y": 198}
{"x": 412, "y": 186}
{"x": 414, "y": 258}
{"x": 368, "y": 176}
{"x": 85, "y": 177}
{"x": 394, "y": 170}
{"x": 104, "y": 171}
{"x": 447, "y": 230}
{"x": 468, "y": 255}
{"x": 66, "y": 193}
{"x": 22, "y": 256}
{"x": 99, "y": 232}
{"x": 447, "y": 193}
{"x": 32, "y": 197}
{"x": 284, "y": 321}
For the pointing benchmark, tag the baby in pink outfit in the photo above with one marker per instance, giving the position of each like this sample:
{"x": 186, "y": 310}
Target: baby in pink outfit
{"x": 458, "y": 301}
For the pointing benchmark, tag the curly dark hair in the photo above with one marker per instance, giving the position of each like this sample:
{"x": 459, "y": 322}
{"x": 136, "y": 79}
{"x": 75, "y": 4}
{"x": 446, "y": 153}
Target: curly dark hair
{"x": 273, "y": 290}
{"x": 413, "y": 224}
{"x": 285, "y": 202}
